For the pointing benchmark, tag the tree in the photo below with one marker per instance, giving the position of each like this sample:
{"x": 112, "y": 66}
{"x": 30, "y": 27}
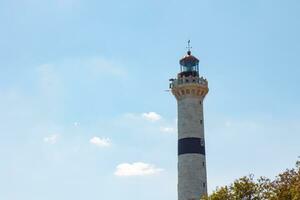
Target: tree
{"x": 286, "y": 186}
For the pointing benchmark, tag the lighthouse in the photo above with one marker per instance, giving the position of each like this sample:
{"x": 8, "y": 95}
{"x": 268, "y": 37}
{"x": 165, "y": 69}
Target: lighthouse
{"x": 190, "y": 89}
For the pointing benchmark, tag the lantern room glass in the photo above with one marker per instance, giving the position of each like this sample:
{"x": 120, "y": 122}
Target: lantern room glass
{"x": 190, "y": 68}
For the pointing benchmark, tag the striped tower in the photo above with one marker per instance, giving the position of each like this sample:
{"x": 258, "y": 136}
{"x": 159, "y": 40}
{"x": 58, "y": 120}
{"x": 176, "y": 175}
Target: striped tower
{"x": 190, "y": 90}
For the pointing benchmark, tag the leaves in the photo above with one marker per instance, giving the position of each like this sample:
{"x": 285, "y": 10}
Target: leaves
{"x": 286, "y": 186}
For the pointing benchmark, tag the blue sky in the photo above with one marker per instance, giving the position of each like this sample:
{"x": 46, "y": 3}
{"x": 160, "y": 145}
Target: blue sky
{"x": 83, "y": 108}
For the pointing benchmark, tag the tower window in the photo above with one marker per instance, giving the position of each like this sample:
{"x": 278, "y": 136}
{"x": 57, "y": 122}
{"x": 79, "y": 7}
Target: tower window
{"x": 202, "y": 142}
{"x": 200, "y": 102}
{"x": 203, "y": 163}
{"x": 201, "y": 121}
{"x": 204, "y": 185}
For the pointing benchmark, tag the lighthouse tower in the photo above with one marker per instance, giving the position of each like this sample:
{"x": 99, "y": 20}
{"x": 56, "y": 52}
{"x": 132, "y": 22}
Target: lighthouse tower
{"x": 190, "y": 90}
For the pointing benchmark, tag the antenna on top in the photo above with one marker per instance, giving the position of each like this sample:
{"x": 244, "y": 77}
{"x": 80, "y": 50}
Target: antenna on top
{"x": 189, "y": 47}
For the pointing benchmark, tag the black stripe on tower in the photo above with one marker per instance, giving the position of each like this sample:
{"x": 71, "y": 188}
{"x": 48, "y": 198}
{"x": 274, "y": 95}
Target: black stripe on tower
{"x": 191, "y": 145}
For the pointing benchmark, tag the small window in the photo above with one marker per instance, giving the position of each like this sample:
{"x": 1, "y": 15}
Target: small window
{"x": 200, "y": 102}
{"x": 201, "y": 121}
{"x": 203, "y": 163}
{"x": 202, "y": 142}
{"x": 204, "y": 185}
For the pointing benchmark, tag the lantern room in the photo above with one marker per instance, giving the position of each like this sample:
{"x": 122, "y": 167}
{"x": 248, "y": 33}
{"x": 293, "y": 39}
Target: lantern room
{"x": 189, "y": 65}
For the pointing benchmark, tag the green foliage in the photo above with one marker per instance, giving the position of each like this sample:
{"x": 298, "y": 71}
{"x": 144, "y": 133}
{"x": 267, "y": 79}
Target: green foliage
{"x": 286, "y": 186}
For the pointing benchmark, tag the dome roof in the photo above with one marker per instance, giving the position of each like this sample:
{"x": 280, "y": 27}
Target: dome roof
{"x": 189, "y": 60}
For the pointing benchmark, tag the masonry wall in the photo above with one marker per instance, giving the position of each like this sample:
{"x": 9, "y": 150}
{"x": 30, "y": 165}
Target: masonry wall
{"x": 192, "y": 179}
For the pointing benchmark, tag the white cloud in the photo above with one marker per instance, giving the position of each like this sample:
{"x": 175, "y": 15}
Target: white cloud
{"x": 136, "y": 169}
{"x": 167, "y": 129}
{"x": 52, "y": 139}
{"x": 101, "y": 142}
{"x": 151, "y": 116}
